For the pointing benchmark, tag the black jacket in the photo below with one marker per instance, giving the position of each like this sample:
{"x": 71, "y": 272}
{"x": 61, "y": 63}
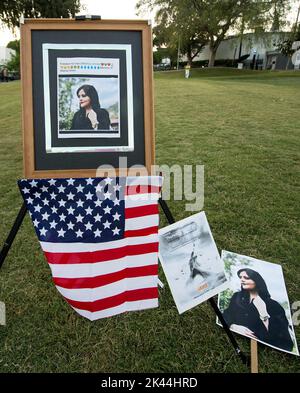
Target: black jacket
{"x": 241, "y": 312}
{"x": 82, "y": 122}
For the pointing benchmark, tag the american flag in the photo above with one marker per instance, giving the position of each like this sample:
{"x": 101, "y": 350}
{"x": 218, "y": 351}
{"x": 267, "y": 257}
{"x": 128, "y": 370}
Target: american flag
{"x": 100, "y": 238}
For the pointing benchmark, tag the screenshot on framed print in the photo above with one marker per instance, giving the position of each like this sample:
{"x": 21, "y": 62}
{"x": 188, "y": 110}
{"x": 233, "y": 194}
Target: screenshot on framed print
{"x": 87, "y": 95}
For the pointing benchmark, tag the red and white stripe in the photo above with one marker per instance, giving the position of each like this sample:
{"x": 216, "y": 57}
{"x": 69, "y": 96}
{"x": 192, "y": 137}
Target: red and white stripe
{"x": 105, "y": 279}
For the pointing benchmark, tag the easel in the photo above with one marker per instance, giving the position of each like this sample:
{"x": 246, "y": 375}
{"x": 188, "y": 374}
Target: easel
{"x": 244, "y": 358}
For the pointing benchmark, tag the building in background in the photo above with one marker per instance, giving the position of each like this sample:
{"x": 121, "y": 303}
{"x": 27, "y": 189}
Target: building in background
{"x": 5, "y": 54}
{"x": 262, "y": 51}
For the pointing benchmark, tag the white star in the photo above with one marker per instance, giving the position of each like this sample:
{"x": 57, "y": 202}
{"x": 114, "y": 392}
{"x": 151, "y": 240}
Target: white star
{"x": 25, "y": 190}
{"x": 107, "y": 210}
{"x": 89, "y": 181}
{"x": 46, "y": 202}
{"x": 53, "y": 224}
{"x": 37, "y": 194}
{"x": 44, "y": 189}
{"x": 88, "y": 211}
{"x": 117, "y": 216}
{"x": 29, "y": 201}
{"x": 70, "y": 225}
{"x": 52, "y": 182}
{"x": 70, "y": 196}
{"x": 37, "y": 208}
{"x": 79, "y": 233}
{"x": 62, "y": 203}
{"x": 70, "y": 182}
{"x": 70, "y": 210}
{"x": 33, "y": 183}
{"x": 53, "y": 195}
{"x": 61, "y": 232}
{"x": 106, "y": 224}
{"x": 108, "y": 180}
{"x": 45, "y": 216}
{"x": 116, "y": 231}
{"x": 79, "y": 203}
{"x": 99, "y": 188}
{"x": 98, "y": 202}
{"x": 117, "y": 187}
{"x": 80, "y": 188}
{"x": 43, "y": 231}
{"x": 61, "y": 188}
{"x": 97, "y": 217}
{"x": 62, "y": 217}
{"x": 89, "y": 196}
{"x": 107, "y": 195}
{"x": 30, "y": 214}
{"x": 79, "y": 218}
{"x": 54, "y": 209}
{"x": 117, "y": 202}
{"x": 97, "y": 233}
{"x": 36, "y": 223}
{"x": 88, "y": 226}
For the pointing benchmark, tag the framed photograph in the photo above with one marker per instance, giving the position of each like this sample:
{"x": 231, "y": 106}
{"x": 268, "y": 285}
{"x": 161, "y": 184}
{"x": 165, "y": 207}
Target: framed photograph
{"x": 87, "y": 96}
{"x": 191, "y": 262}
{"x": 256, "y": 304}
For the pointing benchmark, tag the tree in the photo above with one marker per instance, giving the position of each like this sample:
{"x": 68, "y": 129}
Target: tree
{"x": 285, "y": 45}
{"x": 177, "y": 29}
{"x": 213, "y": 19}
{"x": 14, "y": 63}
{"x": 237, "y": 15}
{"x": 11, "y": 11}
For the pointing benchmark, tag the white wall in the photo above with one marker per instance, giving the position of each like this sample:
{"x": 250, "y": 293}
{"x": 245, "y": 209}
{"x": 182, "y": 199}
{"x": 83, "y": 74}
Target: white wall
{"x": 230, "y": 47}
{"x": 5, "y": 54}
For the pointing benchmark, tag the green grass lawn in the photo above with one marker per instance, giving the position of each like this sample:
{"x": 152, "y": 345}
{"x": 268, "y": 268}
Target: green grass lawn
{"x": 244, "y": 127}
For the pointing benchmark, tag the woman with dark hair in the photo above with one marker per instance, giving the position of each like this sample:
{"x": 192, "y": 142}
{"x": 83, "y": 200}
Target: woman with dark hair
{"x": 90, "y": 115}
{"x": 253, "y": 313}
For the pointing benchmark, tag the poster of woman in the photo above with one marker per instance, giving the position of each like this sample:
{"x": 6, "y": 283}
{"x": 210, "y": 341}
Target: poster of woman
{"x": 256, "y": 304}
{"x": 88, "y": 98}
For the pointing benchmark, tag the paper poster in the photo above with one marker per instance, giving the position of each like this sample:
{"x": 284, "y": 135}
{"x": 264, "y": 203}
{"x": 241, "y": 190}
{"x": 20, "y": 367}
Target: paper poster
{"x": 191, "y": 261}
{"x": 88, "y": 97}
{"x": 256, "y": 304}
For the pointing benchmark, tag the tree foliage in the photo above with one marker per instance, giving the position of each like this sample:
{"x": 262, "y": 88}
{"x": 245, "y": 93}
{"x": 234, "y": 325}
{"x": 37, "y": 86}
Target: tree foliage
{"x": 200, "y": 22}
{"x": 11, "y": 11}
{"x": 177, "y": 28}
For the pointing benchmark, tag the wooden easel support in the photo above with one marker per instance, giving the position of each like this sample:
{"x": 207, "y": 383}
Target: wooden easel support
{"x": 254, "y": 357}
{"x": 242, "y": 356}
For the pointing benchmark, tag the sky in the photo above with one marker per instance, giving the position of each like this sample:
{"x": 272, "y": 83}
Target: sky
{"x": 114, "y": 9}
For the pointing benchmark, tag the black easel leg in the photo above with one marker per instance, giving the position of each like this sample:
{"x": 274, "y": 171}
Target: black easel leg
{"x": 214, "y": 305}
{"x": 12, "y": 233}
{"x": 244, "y": 358}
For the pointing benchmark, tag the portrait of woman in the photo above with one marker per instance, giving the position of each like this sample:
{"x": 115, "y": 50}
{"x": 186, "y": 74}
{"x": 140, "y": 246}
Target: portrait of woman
{"x": 252, "y": 312}
{"x": 90, "y": 115}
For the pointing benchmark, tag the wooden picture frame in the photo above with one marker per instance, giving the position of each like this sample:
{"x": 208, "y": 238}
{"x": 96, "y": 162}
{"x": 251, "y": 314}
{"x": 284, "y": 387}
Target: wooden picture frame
{"x": 51, "y": 49}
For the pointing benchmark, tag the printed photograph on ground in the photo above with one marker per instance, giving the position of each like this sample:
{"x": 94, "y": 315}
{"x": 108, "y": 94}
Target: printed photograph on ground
{"x": 191, "y": 261}
{"x": 256, "y": 304}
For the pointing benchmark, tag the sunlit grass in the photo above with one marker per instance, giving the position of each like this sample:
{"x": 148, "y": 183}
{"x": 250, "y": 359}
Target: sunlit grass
{"x": 244, "y": 128}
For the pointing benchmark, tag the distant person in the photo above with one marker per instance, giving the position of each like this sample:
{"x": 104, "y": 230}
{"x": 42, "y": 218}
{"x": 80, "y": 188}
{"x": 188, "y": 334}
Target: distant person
{"x": 90, "y": 115}
{"x": 253, "y": 313}
{"x": 5, "y": 75}
{"x": 187, "y": 71}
